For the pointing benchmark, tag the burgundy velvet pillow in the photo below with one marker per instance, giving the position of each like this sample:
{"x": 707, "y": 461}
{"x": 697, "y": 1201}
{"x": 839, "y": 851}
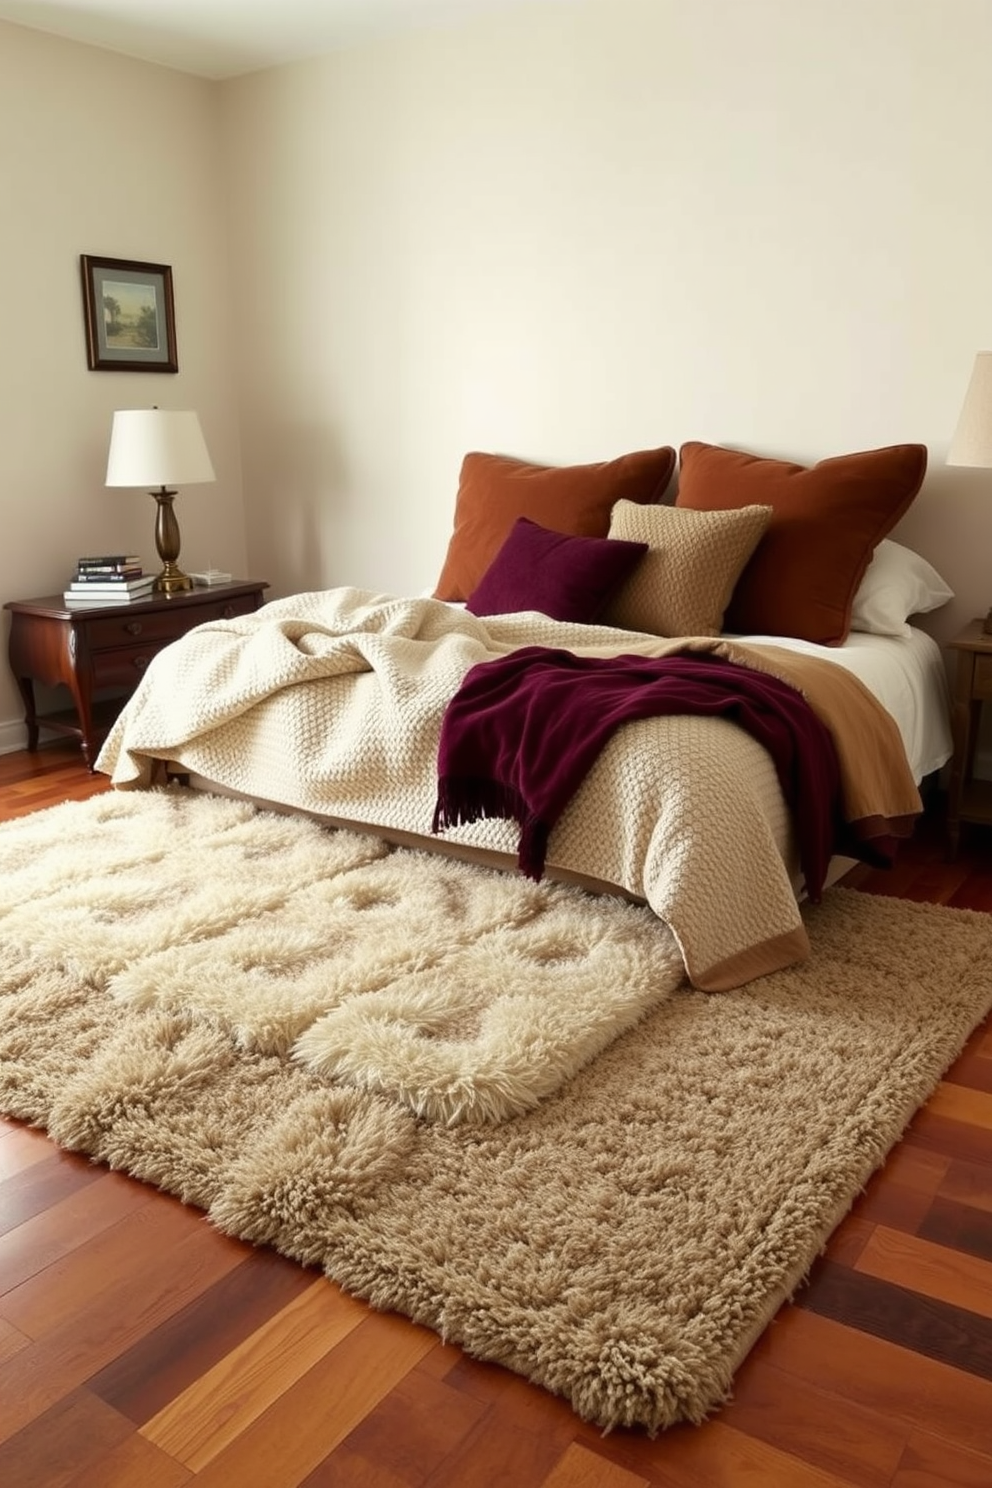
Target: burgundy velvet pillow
{"x": 566, "y": 577}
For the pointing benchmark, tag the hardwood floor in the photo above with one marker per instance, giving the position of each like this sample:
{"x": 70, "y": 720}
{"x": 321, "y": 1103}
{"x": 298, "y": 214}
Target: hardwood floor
{"x": 139, "y": 1347}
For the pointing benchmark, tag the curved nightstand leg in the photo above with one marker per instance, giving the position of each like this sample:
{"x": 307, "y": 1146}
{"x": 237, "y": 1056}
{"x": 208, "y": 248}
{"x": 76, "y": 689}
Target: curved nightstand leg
{"x": 26, "y": 688}
{"x": 82, "y": 703}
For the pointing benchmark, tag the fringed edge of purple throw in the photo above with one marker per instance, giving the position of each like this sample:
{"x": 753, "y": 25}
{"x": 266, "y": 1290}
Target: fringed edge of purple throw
{"x": 462, "y": 800}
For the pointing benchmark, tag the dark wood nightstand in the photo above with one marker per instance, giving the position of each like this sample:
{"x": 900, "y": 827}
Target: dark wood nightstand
{"x": 105, "y": 649}
{"x": 969, "y": 800}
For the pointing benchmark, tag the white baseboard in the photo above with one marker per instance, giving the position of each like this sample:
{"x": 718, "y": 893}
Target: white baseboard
{"x": 13, "y": 735}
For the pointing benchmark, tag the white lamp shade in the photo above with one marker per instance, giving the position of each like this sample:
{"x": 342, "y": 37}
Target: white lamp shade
{"x": 157, "y": 447}
{"x": 972, "y": 442}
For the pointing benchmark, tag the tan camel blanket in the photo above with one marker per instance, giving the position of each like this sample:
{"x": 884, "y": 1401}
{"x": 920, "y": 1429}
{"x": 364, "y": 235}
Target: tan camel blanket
{"x": 332, "y": 702}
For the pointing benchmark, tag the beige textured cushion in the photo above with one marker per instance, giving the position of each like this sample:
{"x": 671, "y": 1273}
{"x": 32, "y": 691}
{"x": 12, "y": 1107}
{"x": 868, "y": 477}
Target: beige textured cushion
{"x": 683, "y": 583}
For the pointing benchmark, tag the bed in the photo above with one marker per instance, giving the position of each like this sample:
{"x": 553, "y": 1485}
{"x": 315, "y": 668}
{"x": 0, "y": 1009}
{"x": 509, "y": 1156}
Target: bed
{"x": 333, "y": 702}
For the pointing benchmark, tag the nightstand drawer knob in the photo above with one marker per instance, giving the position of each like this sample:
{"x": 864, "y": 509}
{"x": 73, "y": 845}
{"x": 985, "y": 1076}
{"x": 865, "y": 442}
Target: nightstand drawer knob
{"x": 133, "y": 627}
{"x": 228, "y": 612}
{"x": 141, "y": 662}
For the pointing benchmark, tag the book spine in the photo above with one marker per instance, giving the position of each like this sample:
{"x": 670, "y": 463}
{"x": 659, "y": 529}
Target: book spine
{"x": 132, "y": 572}
{"x": 97, "y": 592}
{"x": 109, "y": 560}
{"x": 101, "y": 598}
{"x": 120, "y": 580}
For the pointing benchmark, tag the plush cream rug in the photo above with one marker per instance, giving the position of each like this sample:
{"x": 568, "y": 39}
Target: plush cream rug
{"x": 492, "y": 1105}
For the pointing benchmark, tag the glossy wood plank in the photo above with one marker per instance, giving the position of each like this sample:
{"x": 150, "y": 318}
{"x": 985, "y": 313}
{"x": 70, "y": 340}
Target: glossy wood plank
{"x": 76, "y": 1432}
{"x": 210, "y": 1414}
{"x": 52, "y": 1234}
{"x": 961, "y": 1103}
{"x": 902, "y": 1198}
{"x": 969, "y": 1183}
{"x": 578, "y": 1467}
{"x": 840, "y": 1436}
{"x": 103, "y": 1298}
{"x": 21, "y": 1147}
{"x": 421, "y": 1422}
{"x": 879, "y": 1376}
{"x": 909, "y": 1389}
{"x": 935, "y": 1133}
{"x": 848, "y": 1240}
{"x": 12, "y": 1340}
{"x": 141, "y": 1250}
{"x": 304, "y": 1425}
{"x": 165, "y": 1362}
{"x": 720, "y": 1456}
{"x": 961, "y": 1227}
{"x": 973, "y": 1069}
{"x": 933, "y": 1462}
{"x": 518, "y": 1439}
{"x": 915, "y": 1320}
{"x": 36, "y": 1188}
{"x": 933, "y": 1270}
{"x": 135, "y": 1463}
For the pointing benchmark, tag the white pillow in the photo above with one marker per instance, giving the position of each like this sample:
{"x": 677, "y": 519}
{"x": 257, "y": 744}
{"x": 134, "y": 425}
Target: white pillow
{"x": 897, "y": 583}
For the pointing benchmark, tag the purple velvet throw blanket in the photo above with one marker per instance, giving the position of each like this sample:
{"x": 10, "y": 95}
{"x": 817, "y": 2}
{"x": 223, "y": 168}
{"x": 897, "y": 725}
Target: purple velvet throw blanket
{"x": 521, "y": 733}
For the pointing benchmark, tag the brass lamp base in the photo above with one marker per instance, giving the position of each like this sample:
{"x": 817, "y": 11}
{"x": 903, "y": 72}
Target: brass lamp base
{"x": 171, "y": 580}
{"x": 987, "y": 624}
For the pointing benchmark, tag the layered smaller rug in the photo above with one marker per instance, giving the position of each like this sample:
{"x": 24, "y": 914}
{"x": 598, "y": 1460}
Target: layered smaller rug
{"x": 495, "y": 1106}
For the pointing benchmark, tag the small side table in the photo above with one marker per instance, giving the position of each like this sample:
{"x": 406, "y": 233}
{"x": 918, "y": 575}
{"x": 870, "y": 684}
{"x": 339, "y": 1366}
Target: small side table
{"x": 105, "y": 648}
{"x": 969, "y": 800}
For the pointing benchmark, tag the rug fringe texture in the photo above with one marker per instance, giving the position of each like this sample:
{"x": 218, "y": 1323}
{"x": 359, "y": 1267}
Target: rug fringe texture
{"x": 493, "y": 1105}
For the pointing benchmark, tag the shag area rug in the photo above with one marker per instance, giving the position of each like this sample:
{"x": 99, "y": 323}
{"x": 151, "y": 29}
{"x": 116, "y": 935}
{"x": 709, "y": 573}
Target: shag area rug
{"x": 493, "y": 1105}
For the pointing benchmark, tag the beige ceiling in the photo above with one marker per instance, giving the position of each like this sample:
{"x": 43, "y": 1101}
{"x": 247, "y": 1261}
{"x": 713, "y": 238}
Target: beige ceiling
{"x": 222, "y": 38}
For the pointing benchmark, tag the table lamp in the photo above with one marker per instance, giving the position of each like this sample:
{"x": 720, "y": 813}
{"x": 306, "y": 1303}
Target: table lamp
{"x": 160, "y": 447}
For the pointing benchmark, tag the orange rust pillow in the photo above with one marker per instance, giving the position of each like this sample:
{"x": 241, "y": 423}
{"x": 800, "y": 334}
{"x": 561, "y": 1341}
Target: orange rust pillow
{"x": 494, "y": 490}
{"x": 826, "y": 521}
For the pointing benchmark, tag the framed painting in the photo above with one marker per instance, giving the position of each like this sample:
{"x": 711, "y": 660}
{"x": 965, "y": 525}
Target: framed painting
{"x": 130, "y": 315}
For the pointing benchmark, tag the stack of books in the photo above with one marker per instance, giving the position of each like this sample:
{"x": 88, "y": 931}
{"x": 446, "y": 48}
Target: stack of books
{"x": 108, "y": 579}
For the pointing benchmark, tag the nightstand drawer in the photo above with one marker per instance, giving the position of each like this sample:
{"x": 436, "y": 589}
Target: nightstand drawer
{"x": 226, "y": 609}
{"x": 160, "y": 627}
{"x": 981, "y": 686}
{"x": 122, "y": 668}
{"x": 155, "y": 628}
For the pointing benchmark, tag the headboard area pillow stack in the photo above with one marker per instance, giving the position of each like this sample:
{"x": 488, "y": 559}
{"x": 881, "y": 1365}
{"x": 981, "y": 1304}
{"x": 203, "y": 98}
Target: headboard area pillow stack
{"x": 494, "y": 490}
{"x": 826, "y": 522}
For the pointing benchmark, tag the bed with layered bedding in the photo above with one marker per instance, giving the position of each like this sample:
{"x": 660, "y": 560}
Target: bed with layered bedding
{"x": 705, "y": 699}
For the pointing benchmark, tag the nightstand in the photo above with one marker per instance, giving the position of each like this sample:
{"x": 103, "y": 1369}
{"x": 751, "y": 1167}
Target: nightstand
{"x": 105, "y": 649}
{"x": 969, "y": 800}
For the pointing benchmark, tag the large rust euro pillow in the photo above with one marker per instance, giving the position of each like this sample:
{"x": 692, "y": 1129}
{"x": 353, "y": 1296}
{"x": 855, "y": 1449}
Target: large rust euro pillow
{"x": 826, "y": 521}
{"x": 494, "y": 490}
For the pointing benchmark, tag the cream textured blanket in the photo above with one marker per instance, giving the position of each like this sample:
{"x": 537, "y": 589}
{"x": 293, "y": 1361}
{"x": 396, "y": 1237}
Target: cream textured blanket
{"x": 332, "y": 702}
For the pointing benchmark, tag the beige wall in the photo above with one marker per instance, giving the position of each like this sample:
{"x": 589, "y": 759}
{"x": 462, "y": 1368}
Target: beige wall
{"x": 107, "y": 156}
{"x": 564, "y": 234}
{"x": 575, "y": 232}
